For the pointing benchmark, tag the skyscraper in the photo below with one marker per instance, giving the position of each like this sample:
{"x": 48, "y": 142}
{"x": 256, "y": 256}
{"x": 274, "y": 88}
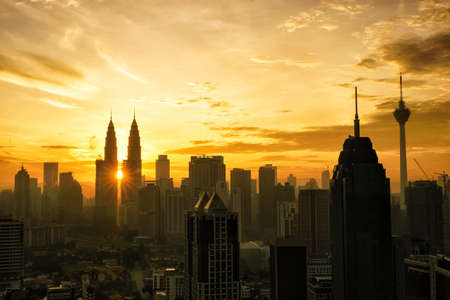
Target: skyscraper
{"x": 162, "y": 167}
{"x": 401, "y": 114}
{"x": 212, "y": 251}
{"x": 205, "y": 172}
{"x": 240, "y": 186}
{"x": 70, "y": 199}
{"x": 292, "y": 180}
{"x": 314, "y": 220}
{"x": 11, "y": 254}
{"x": 36, "y": 200}
{"x": 150, "y": 212}
{"x": 361, "y": 231}
{"x": 106, "y": 184}
{"x": 424, "y": 209}
{"x": 50, "y": 176}
{"x": 132, "y": 167}
{"x": 174, "y": 210}
{"x": 325, "y": 180}
{"x": 267, "y": 202}
{"x": 288, "y": 270}
{"x": 22, "y": 196}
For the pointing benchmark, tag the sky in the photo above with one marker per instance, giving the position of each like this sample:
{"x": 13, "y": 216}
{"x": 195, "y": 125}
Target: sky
{"x": 256, "y": 81}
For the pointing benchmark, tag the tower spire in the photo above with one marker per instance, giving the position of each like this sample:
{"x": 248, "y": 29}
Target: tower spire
{"x": 110, "y": 114}
{"x": 134, "y": 112}
{"x": 401, "y": 88}
{"x": 356, "y": 122}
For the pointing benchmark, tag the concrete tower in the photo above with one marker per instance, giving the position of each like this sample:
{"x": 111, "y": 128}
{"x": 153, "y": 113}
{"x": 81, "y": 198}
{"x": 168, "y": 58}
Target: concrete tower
{"x": 401, "y": 114}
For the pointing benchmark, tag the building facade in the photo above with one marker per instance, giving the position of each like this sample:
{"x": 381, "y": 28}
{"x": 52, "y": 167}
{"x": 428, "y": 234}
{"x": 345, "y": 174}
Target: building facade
{"x": 162, "y": 167}
{"x": 205, "y": 172}
{"x": 22, "y": 196}
{"x": 267, "y": 180}
{"x": 11, "y": 254}
{"x": 240, "y": 187}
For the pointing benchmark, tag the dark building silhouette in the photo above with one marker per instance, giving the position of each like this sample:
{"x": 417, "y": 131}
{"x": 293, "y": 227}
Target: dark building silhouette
{"x": 424, "y": 209}
{"x": 205, "y": 172}
{"x": 11, "y": 254}
{"x": 7, "y": 203}
{"x": 401, "y": 114}
{"x": 70, "y": 199}
{"x": 106, "y": 184}
{"x": 325, "y": 180}
{"x": 150, "y": 211}
{"x": 162, "y": 167}
{"x": 288, "y": 271}
{"x": 132, "y": 167}
{"x": 267, "y": 179}
{"x": 50, "y": 176}
{"x": 240, "y": 188}
{"x": 361, "y": 227}
{"x": 36, "y": 200}
{"x": 314, "y": 220}
{"x": 211, "y": 251}
{"x": 22, "y": 196}
{"x": 186, "y": 189}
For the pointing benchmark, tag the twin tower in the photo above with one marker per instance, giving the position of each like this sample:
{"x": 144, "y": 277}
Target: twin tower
{"x": 106, "y": 183}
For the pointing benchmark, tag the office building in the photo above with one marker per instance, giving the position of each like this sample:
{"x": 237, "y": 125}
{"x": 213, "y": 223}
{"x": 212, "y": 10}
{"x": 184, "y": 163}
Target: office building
{"x": 162, "y": 167}
{"x": 292, "y": 180}
{"x": 314, "y": 220}
{"x": 287, "y": 222}
{"x": 186, "y": 189}
{"x": 212, "y": 251}
{"x": 361, "y": 231}
{"x": 11, "y": 254}
{"x": 50, "y": 176}
{"x": 424, "y": 209}
{"x": 204, "y": 173}
{"x": 70, "y": 200}
{"x": 36, "y": 200}
{"x": 174, "y": 212}
{"x": 254, "y": 203}
{"x": 288, "y": 272}
{"x": 401, "y": 115}
{"x": 7, "y": 203}
{"x": 267, "y": 178}
{"x": 444, "y": 183}
{"x": 149, "y": 212}
{"x": 240, "y": 186}
{"x": 44, "y": 236}
{"x": 325, "y": 180}
{"x": 22, "y": 196}
{"x": 106, "y": 184}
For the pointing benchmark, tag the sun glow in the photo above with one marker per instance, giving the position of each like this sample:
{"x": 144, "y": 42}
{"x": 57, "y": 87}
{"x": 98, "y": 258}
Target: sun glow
{"x": 119, "y": 174}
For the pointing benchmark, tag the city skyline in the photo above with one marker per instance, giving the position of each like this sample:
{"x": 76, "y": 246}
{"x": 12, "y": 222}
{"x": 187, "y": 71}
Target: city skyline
{"x": 301, "y": 91}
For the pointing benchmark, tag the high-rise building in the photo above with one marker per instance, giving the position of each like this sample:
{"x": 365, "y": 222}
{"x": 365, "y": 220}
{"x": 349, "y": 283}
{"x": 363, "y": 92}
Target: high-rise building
{"x": 36, "y": 200}
{"x": 205, "y": 172}
{"x": 22, "y": 196}
{"x": 7, "y": 203}
{"x": 132, "y": 167}
{"x": 444, "y": 183}
{"x": 292, "y": 180}
{"x": 162, "y": 167}
{"x": 255, "y": 203}
{"x": 287, "y": 222}
{"x": 186, "y": 189}
{"x": 361, "y": 231}
{"x": 70, "y": 199}
{"x": 240, "y": 186}
{"x": 174, "y": 212}
{"x": 267, "y": 203}
{"x": 212, "y": 251}
{"x": 288, "y": 272}
{"x": 11, "y": 254}
{"x": 50, "y": 176}
{"x": 106, "y": 184}
{"x": 149, "y": 211}
{"x": 401, "y": 114}
{"x": 424, "y": 209}
{"x": 325, "y": 180}
{"x": 314, "y": 220}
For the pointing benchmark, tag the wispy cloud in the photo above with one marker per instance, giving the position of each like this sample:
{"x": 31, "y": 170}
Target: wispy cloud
{"x": 284, "y": 61}
{"x": 118, "y": 66}
{"x": 57, "y": 147}
{"x": 58, "y": 103}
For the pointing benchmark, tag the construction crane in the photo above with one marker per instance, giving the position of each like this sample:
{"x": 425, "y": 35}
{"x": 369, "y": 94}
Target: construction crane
{"x": 420, "y": 167}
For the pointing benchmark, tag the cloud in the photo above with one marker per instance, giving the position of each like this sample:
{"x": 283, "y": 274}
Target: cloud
{"x": 206, "y": 86}
{"x": 56, "y": 147}
{"x": 303, "y": 19}
{"x": 419, "y": 55}
{"x": 329, "y": 27}
{"x": 408, "y": 83}
{"x": 55, "y": 65}
{"x": 432, "y": 14}
{"x": 58, "y": 103}
{"x": 93, "y": 142}
{"x": 369, "y": 63}
{"x": 201, "y": 142}
{"x": 118, "y": 66}
{"x": 284, "y": 111}
{"x": 283, "y": 61}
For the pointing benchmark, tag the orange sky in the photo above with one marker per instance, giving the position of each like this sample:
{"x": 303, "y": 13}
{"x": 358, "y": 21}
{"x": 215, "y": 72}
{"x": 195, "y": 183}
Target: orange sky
{"x": 256, "y": 81}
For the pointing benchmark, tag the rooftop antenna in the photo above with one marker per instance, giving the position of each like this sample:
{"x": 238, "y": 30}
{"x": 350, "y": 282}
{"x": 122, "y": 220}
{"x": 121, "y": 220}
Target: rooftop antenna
{"x": 356, "y": 122}
{"x": 134, "y": 112}
{"x": 110, "y": 115}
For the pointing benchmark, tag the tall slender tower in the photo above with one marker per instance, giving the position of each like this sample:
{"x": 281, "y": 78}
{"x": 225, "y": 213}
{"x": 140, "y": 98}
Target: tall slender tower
{"x": 361, "y": 232}
{"x": 132, "y": 166}
{"x": 401, "y": 114}
{"x": 106, "y": 183}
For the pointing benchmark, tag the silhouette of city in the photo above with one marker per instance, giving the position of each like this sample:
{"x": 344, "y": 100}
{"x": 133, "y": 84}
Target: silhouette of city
{"x": 168, "y": 220}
